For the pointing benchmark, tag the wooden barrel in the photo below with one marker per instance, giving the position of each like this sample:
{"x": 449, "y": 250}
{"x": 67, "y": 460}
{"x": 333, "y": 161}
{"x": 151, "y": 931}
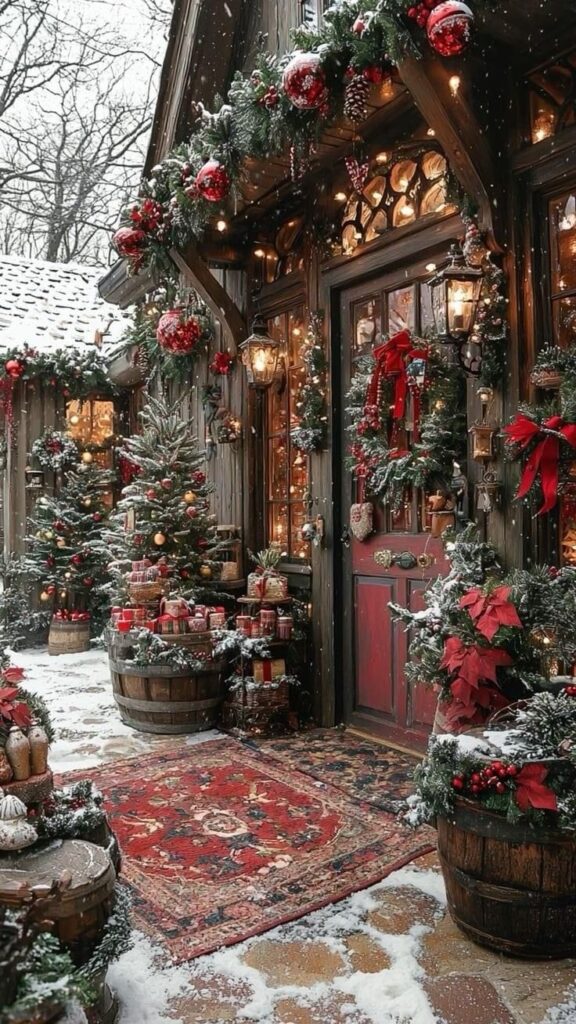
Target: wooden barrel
{"x": 80, "y": 909}
{"x": 508, "y": 887}
{"x": 68, "y": 637}
{"x": 161, "y": 699}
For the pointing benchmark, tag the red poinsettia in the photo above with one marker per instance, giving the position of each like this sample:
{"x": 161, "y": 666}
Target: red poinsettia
{"x": 12, "y": 674}
{"x": 490, "y": 611}
{"x": 13, "y": 711}
{"x": 474, "y": 691}
{"x": 221, "y": 364}
{"x": 531, "y": 791}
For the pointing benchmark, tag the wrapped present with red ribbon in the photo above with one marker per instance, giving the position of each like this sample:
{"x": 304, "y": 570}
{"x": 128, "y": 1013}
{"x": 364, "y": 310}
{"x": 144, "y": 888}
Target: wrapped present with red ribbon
{"x": 143, "y": 575}
{"x": 267, "y": 584}
{"x": 265, "y": 670}
{"x": 168, "y": 625}
{"x": 197, "y": 623}
{"x": 217, "y": 618}
{"x": 139, "y": 566}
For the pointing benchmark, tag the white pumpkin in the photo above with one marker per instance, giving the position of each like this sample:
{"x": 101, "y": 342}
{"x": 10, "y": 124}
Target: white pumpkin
{"x": 16, "y": 832}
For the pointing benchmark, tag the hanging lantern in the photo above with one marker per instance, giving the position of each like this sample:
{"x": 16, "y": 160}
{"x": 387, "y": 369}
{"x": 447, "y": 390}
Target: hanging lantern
{"x": 177, "y": 332}
{"x": 260, "y": 355}
{"x": 483, "y": 441}
{"x": 212, "y": 181}
{"x": 449, "y": 28}
{"x": 455, "y": 294}
{"x": 304, "y": 82}
{"x": 34, "y": 479}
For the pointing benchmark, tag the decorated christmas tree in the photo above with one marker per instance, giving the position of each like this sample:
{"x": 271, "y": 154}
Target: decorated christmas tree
{"x": 66, "y": 558}
{"x": 163, "y": 518}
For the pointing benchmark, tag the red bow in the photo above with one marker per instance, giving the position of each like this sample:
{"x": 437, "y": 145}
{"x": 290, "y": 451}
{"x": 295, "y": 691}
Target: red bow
{"x": 490, "y": 611}
{"x": 545, "y": 456}
{"x": 390, "y": 358}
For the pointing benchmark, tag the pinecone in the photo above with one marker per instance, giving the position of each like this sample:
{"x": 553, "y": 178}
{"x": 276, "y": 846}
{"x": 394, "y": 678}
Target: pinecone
{"x": 356, "y": 99}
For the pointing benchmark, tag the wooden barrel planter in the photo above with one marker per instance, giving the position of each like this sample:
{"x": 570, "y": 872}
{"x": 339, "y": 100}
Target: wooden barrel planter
{"x": 68, "y": 637}
{"x": 509, "y": 887}
{"x": 161, "y": 699}
{"x": 80, "y": 910}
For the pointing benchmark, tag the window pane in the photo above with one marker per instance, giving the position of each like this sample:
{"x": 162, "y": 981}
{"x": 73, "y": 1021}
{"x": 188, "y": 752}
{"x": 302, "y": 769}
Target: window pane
{"x": 563, "y": 248}
{"x": 296, "y": 379}
{"x": 426, "y": 311}
{"x": 296, "y": 335}
{"x": 298, "y": 475}
{"x": 277, "y": 411}
{"x": 564, "y": 312}
{"x": 401, "y": 310}
{"x": 278, "y": 525}
{"x": 300, "y": 548}
{"x": 367, "y": 324}
{"x": 278, "y": 468}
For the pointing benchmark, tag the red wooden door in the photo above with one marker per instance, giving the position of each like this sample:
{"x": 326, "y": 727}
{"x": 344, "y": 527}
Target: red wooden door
{"x": 397, "y": 561}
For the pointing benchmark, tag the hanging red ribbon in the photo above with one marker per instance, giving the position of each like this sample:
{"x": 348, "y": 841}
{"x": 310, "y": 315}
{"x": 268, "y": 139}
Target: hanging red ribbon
{"x": 544, "y": 458}
{"x": 390, "y": 358}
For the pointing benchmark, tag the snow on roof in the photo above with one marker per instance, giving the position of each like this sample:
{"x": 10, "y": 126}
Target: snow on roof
{"x": 54, "y": 305}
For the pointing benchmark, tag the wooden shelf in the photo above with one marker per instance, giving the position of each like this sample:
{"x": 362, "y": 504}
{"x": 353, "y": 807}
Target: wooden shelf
{"x": 264, "y": 600}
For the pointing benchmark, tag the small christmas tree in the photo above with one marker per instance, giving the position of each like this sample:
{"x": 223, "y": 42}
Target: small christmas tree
{"x": 164, "y": 512}
{"x": 66, "y": 557}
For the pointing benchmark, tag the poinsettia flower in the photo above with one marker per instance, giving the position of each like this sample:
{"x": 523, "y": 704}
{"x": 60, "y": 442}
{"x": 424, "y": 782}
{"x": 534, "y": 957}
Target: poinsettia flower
{"x": 13, "y": 674}
{"x": 490, "y": 611}
{"x": 473, "y": 663}
{"x": 531, "y": 791}
{"x": 16, "y": 712}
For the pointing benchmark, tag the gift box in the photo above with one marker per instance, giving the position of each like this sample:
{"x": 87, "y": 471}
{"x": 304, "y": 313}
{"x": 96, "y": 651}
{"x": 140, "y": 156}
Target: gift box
{"x": 244, "y": 624}
{"x": 143, "y": 575}
{"x": 144, "y": 563}
{"x": 255, "y": 629}
{"x": 267, "y": 622}
{"x": 265, "y": 670}
{"x": 285, "y": 626}
{"x": 168, "y": 625}
{"x": 217, "y": 619}
{"x": 197, "y": 624}
{"x": 267, "y": 586}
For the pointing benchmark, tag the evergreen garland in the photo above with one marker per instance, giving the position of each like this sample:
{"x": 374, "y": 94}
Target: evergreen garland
{"x": 310, "y": 434}
{"x": 76, "y": 373}
{"x": 74, "y": 812}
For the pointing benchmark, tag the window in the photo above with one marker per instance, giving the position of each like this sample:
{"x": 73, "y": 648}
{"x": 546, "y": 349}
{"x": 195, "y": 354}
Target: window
{"x": 90, "y": 422}
{"x": 311, "y": 11}
{"x": 287, "y": 470}
{"x": 551, "y": 92}
{"x": 562, "y": 221}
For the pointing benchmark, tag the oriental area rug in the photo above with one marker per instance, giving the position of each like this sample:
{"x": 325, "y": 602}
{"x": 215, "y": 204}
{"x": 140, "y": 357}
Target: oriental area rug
{"x": 221, "y": 842}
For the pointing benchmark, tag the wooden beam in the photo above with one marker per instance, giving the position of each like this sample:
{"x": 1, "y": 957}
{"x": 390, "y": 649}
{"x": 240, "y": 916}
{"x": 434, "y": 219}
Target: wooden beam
{"x": 458, "y": 132}
{"x": 198, "y": 275}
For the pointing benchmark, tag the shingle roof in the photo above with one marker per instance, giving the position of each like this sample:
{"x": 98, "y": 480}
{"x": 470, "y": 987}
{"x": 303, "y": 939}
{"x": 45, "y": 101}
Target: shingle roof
{"x": 54, "y": 305}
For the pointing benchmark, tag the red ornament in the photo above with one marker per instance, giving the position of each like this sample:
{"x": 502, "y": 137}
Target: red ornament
{"x": 304, "y": 82}
{"x": 129, "y": 243}
{"x": 221, "y": 364}
{"x": 96, "y": 516}
{"x": 449, "y": 27}
{"x": 59, "y": 526}
{"x": 77, "y": 559}
{"x": 374, "y": 74}
{"x": 147, "y": 215}
{"x": 199, "y": 478}
{"x": 213, "y": 182}
{"x": 359, "y": 26}
{"x": 177, "y": 333}
{"x": 14, "y": 368}
{"x": 150, "y": 494}
{"x": 191, "y": 512}
{"x": 51, "y": 589}
{"x": 88, "y": 581}
{"x": 166, "y": 483}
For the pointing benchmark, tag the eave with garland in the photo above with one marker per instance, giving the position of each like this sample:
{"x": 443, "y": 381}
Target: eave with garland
{"x": 271, "y": 251}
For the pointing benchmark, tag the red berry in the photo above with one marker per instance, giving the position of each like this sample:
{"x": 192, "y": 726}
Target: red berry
{"x": 512, "y": 770}
{"x": 475, "y": 778}
{"x": 502, "y": 772}
{"x": 457, "y": 783}
{"x": 475, "y": 789}
{"x": 412, "y": 12}
{"x": 492, "y": 781}
{"x": 500, "y": 787}
{"x": 421, "y": 19}
{"x": 496, "y": 766}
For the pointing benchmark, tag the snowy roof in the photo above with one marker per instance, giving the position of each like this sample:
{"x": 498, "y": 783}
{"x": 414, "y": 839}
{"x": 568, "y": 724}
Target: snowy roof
{"x": 54, "y": 305}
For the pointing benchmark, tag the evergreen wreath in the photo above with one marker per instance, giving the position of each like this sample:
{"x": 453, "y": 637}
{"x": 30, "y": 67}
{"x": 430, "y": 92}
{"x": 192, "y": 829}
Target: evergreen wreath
{"x": 141, "y": 334}
{"x": 310, "y": 434}
{"x": 386, "y": 469}
{"x": 55, "y": 450}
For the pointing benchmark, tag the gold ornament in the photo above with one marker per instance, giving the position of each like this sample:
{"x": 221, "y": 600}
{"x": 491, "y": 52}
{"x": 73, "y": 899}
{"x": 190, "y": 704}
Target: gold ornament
{"x": 205, "y": 572}
{"x": 40, "y": 535}
{"x": 44, "y": 596}
{"x": 87, "y": 457}
{"x": 48, "y": 535}
{"x": 67, "y": 575}
{"x": 87, "y": 502}
{"x": 189, "y": 497}
{"x": 60, "y": 543}
{"x": 159, "y": 539}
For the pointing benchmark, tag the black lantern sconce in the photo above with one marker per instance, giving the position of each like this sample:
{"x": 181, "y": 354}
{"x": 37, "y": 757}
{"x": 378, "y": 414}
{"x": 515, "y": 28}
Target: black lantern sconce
{"x": 455, "y": 295}
{"x": 260, "y": 356}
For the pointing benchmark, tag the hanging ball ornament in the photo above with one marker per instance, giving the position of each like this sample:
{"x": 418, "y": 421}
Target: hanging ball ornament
{"x": 77, "y": 559}
{"x": 304, "y": 82}
{"x": 212, "y": 181}
{"x": 87, "y": 458}
{"x": 359, "y": 26}
{"x": 97, "y": 516}
{"x": 205, "y": 572}
{"x": 44, "y": 596}
{"x": 150, "y": 494}
{"x": 166, "y": 483}
{"x": 14, "y": 368}
{"x": 191, "y": 512}
{"x": 88, "y": 581}
{"x": 177, "y": 332}
{"x": 189, "y": 497}
{"x": 87, "y": 502}
{"x": 129, "y": 242}
{"x": 159, "y": 539}
{"x": 449, "y": 28}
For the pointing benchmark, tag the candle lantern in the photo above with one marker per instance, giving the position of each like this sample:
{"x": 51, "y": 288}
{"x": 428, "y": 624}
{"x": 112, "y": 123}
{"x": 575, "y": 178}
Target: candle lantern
{"x": 260, "y": 354}
{"x": 455, "y": 294}
{"x": 483, "y": 441}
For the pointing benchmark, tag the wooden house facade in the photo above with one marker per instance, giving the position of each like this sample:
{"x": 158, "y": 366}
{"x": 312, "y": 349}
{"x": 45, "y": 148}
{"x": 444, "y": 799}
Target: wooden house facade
{"x": 500, "y": 122}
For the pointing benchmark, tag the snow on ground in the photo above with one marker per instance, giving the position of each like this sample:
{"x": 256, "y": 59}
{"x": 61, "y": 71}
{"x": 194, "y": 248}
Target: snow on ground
{"x": 78, "y": 692}
{"x": 147, "y": 984}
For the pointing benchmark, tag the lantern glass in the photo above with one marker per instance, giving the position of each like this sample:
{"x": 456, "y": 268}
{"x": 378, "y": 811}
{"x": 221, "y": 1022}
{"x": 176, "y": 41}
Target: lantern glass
{"x": 260, "y": 355}
{"x": 455, "y": 294}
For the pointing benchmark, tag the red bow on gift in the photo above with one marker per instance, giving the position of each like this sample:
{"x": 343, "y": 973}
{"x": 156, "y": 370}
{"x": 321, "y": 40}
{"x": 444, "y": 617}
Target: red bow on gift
{"x": 390, "y": 363}
{"x": 545, "y": 457}
{"x": 490, "y": 611}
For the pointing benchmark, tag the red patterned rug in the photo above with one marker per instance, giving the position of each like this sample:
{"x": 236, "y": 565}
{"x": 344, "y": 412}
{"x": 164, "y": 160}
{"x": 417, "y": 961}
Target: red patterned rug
{"x": 221, "y": 842}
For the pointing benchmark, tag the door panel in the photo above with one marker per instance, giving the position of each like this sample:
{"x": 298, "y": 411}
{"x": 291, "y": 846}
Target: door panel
{"x": 395, "y": 563}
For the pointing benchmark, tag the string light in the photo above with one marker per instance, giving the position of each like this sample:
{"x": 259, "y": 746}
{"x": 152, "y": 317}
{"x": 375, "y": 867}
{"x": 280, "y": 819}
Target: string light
{"x": 454, "y": 83}
{"x": 430, "y": 268}
{"x": 259, "y": 253}
{"x": 340, "y": 197}
{"x": 221, "y": 225}
{"x": 382, "y": 158}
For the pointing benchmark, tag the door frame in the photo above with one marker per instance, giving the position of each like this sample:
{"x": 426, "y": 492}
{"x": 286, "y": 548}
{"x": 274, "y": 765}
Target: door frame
{"x": 426, "y": 237}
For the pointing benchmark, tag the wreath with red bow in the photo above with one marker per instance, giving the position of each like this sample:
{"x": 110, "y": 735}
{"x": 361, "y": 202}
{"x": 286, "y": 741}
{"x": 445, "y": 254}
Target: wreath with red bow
{"x": 406, "y": 419}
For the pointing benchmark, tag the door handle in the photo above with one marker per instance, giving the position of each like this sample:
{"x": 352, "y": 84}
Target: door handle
{"x": 345, "y": 538}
